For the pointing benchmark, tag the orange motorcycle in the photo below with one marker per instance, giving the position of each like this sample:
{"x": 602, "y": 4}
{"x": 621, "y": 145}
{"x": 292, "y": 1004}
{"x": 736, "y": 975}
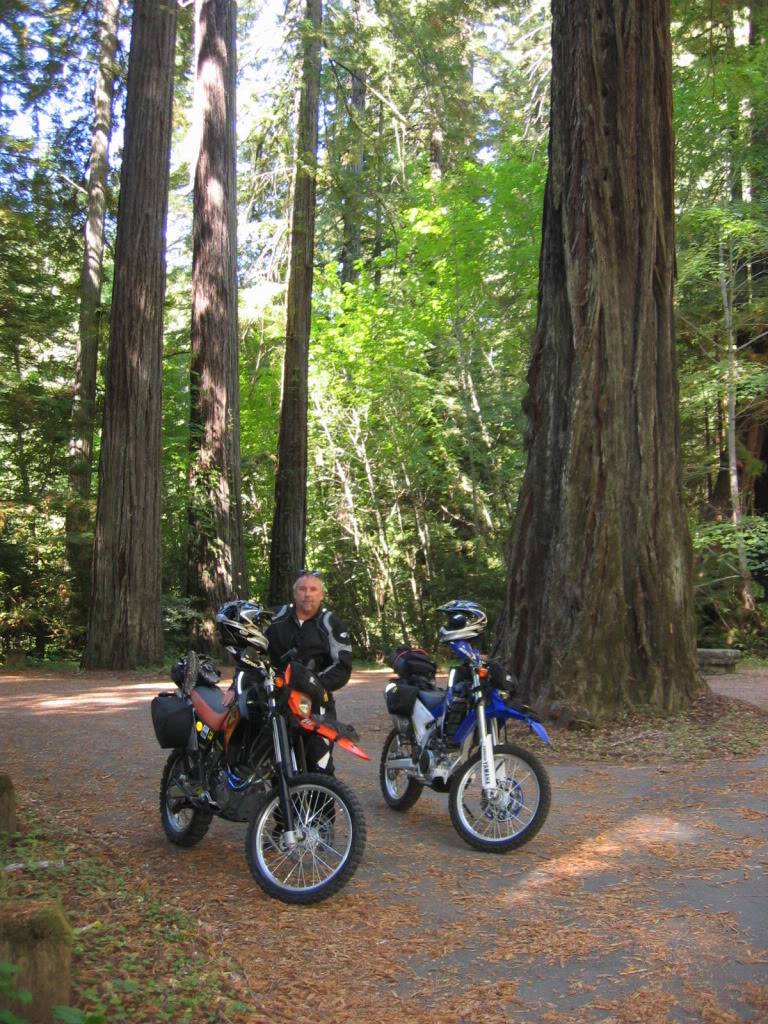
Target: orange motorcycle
{"x": 239, "y": 754}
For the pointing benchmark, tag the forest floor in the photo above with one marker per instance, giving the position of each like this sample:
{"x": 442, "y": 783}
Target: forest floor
{"x": 642, "y": 901}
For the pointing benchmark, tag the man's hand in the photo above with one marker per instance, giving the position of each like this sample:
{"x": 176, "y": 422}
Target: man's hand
{"x": 305, "y": 681}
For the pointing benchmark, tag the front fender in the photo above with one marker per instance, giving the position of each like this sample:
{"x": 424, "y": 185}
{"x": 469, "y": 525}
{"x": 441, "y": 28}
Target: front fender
{"x": 500, "y": 710}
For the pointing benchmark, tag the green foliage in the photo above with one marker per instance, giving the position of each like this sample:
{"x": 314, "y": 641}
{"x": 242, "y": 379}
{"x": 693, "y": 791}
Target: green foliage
{"x": 34, "y": 609}
{"x": 435, "y": 169}
{"x": 721, "y": 617}
{"x": 721, "y": 95}
{"x": 132, "y": 942}
{"x": 417, "y": 375}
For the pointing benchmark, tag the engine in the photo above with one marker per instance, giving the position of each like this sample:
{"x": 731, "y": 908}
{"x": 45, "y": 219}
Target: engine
{"x": 437, "y": 759}
{"x": 237, "y": 792}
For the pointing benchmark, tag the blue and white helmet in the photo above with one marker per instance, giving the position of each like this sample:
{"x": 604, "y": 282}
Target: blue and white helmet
{"x": 464, "y": 621}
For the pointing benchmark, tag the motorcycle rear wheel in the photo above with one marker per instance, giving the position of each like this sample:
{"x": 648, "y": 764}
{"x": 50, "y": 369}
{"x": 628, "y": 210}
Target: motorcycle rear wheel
{"x": 331, "y": 832}
{"x": 399, "y": 791}
{"x": 183, "y": 824}
{"x": 516, "y": 812}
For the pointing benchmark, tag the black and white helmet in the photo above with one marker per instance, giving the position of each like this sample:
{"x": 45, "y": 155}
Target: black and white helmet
{"x": 240, "y": 625}
{"x": 464, "y": 621}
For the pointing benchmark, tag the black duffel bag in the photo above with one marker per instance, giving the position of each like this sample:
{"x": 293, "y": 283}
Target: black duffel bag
{"x": 172, "y": 719}
{"x": 401, "y": 695}
{"x": 412, "y": 663}
{"x": 400, "y": 698}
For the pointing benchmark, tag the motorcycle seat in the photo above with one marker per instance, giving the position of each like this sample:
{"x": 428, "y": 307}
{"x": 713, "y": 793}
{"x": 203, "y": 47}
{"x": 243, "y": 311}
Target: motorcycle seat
{"x": 432, "y": 698}
{"x": 212, "y": 705}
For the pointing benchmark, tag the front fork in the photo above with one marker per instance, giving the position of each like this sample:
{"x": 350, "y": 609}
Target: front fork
{"x": 285, "y": 772}
{"x": 488, "y": 738}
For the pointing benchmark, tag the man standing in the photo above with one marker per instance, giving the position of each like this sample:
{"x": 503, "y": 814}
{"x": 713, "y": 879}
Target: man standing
{"x": 309, "y": 634}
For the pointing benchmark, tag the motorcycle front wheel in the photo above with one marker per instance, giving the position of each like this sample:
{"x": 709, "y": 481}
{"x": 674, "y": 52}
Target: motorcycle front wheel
{"x": 183, "y": 824}
{"x": 398, "y": 789}
{"x": 326, "y": 847}
{"x": 510, "y": 815}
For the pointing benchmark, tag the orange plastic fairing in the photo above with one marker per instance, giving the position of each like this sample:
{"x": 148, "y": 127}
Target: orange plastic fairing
{"x": 352, "y": 748}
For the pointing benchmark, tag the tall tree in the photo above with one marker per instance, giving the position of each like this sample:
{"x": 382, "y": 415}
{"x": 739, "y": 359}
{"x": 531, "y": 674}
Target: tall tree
{"x": 758, "y": 39}
{"x": 599, "y": 595}
{"x": 352, "y": 163}
{"x": 125, "y": 621}
{"x": 78, "y": 517}
{"x": 216, "y": 549}
{"x": 289, "y": 523}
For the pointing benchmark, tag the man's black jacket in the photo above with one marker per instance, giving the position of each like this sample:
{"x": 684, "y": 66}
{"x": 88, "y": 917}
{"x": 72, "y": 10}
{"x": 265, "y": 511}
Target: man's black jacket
{"x": 323, "y": 639}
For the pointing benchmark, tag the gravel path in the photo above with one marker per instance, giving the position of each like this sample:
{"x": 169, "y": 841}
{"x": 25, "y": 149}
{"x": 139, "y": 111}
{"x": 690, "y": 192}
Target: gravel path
{"x": 750, "y": 685}
{"x": 642, "y": 900}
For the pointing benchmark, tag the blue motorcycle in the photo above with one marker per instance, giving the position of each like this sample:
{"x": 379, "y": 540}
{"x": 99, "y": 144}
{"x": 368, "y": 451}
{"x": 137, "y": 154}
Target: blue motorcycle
{"x": 454, "y": 740}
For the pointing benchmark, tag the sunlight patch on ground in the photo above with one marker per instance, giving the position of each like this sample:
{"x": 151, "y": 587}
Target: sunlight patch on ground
{"x": 108, "y": 697}
{"x": 606, "y": 852}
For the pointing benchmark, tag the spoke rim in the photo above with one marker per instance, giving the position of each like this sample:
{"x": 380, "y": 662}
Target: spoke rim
{"x": 181, "y": 818}
{"x": 322, "y": 852}
{"x": 518, "y": 800}
{"x": 396, "y": 779}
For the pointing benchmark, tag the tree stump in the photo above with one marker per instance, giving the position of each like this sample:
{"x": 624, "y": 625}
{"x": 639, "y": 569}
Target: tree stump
{"x": 36, "y": 937}
{"x": 7, "y": 805}
{"x": 16, "y": 659}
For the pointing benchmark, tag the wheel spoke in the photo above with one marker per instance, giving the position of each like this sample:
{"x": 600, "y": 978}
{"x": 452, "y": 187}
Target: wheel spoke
{"x": 313, "y": 860}
{"x": 504, "y": 814}
{"x": 397, "y": 778}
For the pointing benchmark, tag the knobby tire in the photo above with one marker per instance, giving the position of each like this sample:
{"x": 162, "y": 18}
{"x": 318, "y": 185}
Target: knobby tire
{"x": 186, "y": 830}
{"x": 530, "y": 768}
{"x": 412, "y": 790}
{"x": 310, "y": 793}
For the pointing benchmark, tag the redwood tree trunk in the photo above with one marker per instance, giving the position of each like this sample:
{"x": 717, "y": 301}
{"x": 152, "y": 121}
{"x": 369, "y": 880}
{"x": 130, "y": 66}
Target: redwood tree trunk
{"x": 125, "y": 623}
{"x": 289, "y": 524}
{"x": 216, "y": 550}
{"x": 79, "y": 526}
{"x": 352, "y": 172}
{"x": 758, "y": 39}
{"x": 599, "y": 596}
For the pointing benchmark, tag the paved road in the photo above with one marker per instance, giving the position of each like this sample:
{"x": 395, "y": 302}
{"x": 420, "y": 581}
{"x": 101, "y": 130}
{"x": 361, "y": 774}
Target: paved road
{"x": 642, "y": 900}
{"x": 750, "y": 686}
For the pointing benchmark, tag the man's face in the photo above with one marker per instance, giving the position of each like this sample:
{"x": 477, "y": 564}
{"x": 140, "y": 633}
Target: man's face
{"x": 308, "y": 595}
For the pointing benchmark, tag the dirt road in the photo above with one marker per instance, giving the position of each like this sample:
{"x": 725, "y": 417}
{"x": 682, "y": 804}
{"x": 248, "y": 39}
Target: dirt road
{"x": 642, "y": 900}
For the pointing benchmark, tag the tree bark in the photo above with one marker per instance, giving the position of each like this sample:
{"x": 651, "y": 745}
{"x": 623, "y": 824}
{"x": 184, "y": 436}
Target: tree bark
{"x": 352, "y": 205}
{"x": 79, "y": 526}
{"x": 727, "y": 275}
{"x": 599, "y": 595}
{"x": 758, "y": 40}
{"x": 289, "y": 523}
{"x": 216, "y": 552}
{"x": 125, "y": 622}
